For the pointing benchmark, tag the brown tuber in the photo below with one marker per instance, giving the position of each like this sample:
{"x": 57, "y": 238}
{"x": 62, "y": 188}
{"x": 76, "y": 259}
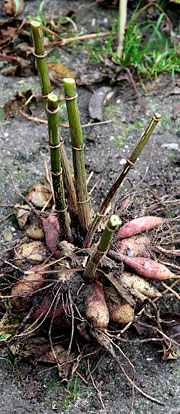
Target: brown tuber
{"x": 23, "y": 289}
{"x": 120, "y": 313}
{"x": 96, "y": 309}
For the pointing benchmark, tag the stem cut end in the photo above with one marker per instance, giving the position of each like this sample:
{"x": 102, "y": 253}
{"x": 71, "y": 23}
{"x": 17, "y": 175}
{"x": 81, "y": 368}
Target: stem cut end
{"x": 35, "y": 23}
{"x": 68, "y": 80}
{"x": 114, "y": 221}
{"x": 52, "y": 97}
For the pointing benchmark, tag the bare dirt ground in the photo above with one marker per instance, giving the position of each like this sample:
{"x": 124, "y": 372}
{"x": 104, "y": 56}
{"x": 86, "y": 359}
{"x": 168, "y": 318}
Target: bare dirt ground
{"x": 36, "y": 390}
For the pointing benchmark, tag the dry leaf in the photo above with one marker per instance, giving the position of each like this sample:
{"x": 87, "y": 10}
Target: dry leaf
{"x": 62, "y": 359}
{"x": 13, "y": 7}
{"x": 113, "y": 294}
{"x": 58, "y": 71}
{"x": 35, "y": 232}
{"x": 34, "y": 252}
{"x": 97, "y": 100}
{"x": 21, "y": 213}
{"x": 38, "y": 195}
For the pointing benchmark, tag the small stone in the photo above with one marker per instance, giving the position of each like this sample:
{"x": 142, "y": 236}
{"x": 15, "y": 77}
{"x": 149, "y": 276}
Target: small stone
{"x": 123, "y": 161}
{"x": 176, "y": 110}
{"x": 7, "y": 235}
{"x": 171, "y": 146}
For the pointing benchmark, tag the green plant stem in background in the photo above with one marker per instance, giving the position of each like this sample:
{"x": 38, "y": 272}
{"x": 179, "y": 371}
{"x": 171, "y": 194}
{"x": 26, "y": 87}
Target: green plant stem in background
{"x": 46, "y": 89}
{"x": 129, "y": 164}
{"x": 121, "y": 26}
{"x": 56, "y": 169}
{"x": 84, "y": 210}
{"x": 101, "y": 249}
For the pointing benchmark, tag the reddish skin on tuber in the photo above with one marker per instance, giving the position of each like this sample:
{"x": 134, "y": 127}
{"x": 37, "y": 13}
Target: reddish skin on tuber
{"x": 96, "y": 309}
{"x": 45, "y": 308}
{"x": 52, "y": 234}
{"x": 145, "y": 267}
{"x": 138, "y": 225}
{"x": 134, "y": 246}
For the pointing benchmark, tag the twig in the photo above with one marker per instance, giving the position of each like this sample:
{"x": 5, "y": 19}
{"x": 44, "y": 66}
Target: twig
{"x": 63, "y": 42}
{"x": 72, "y": 323}
{"x": 154, "y": 328}
{"x": 98, "y": 391}
{"x": 6, "y": 217}
{"x": 168, "y": 288}
{"x": 131, "y": 80}
{"x": 30, "y": 330}
{"x": 51, "y": 324}
{"x": 165, "y": 291}
{"x": 102, "y": 338}
{"x": 43, "y": 121}
{"x": 36, "y": 212}
{"x": 168, "y": 252}
{"x": 150, "y": 4}
{"x": 133, "y": 368}
{"x": 80, "y": 376}
{"x": 119, "y": 180}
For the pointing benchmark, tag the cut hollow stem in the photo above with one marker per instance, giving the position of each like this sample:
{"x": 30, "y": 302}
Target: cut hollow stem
{"x": 56, "y": 169}
{"x": 83, "y": 202}
{"x": 129, "y": 164}
{"x": 101, "y": 249}
{"x": 40, "y": 56}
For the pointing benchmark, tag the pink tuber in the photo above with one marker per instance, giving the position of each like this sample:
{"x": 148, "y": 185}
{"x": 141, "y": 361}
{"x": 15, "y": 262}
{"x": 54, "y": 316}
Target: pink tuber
{"x": 138, "y": 225}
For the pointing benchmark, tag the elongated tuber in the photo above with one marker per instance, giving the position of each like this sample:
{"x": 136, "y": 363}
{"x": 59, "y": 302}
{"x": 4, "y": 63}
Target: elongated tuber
{"x": 138, "y": 225}
{"x": 96, "y": 308}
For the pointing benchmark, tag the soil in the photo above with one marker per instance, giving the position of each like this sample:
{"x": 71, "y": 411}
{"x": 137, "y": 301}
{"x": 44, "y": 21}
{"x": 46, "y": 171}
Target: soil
{"x": 23, "y": 142}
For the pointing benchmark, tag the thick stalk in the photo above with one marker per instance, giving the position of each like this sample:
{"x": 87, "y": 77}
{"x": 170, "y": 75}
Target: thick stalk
{"x": 41, "y": 62}
{"x": 56, "y": 169}
{"x": 129, "y": 164}
{"x": 121, "y": 26}
{"x": 40, "y": 56}
{"x": 84, "y": 210}
{"x": 101, "y": 249}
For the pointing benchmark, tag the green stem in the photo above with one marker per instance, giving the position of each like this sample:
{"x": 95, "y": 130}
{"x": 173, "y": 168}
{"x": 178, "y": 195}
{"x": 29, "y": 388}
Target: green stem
{"x": 84, "y": 210}
{"x": 40, "y": 56}
{"x": 129, "y": 164}
{"x": 91, "y": 267}
{"x": 41, "y": 62}
{"x": 121, "y": 26}
{"x": 56, "y": 169}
